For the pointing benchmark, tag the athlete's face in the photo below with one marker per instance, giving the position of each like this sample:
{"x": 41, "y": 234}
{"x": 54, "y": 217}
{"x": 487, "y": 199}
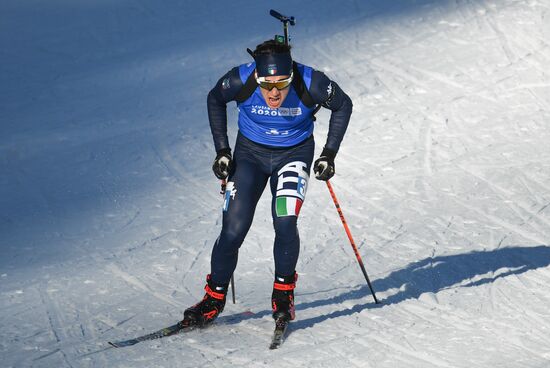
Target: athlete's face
{"x": 275, "y": 97}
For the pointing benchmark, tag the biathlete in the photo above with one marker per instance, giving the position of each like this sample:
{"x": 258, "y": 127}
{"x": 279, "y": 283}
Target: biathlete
{"x": 276, "y": 98}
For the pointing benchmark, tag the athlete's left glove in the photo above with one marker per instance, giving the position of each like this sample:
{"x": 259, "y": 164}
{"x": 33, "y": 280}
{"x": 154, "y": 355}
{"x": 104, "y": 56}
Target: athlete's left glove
{"x": 222, "y": 163}
{"x": 324, "y": 165}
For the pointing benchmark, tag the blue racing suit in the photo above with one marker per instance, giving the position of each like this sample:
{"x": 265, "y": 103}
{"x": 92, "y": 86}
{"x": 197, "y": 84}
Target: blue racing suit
{"x": 274, "y": 145}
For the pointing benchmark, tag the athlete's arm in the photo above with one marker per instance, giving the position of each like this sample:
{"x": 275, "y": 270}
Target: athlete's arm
{"x": 330, "y": 95}
{"x": 223, "y": 92}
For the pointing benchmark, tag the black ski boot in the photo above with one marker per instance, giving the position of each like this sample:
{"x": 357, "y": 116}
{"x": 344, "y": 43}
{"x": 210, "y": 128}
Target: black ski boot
{"x": 282, "y": 299}
{"x": 208, "y": 309}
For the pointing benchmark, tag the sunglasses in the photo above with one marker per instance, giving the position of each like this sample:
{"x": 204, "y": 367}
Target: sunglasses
{"x": 280, "y": 84}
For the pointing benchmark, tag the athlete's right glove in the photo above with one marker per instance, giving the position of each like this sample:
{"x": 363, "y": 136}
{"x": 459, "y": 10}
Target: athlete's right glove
{"x": 324, "y": 165}
{"x": 222, "y": 163}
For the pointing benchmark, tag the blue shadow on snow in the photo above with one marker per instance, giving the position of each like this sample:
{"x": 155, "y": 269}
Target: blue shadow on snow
{"x": 429, "y": 275}
{"x": 434, "y": 274}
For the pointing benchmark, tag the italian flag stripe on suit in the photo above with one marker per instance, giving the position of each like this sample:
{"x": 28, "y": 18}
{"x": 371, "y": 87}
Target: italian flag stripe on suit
{"x": 288, "y": 206}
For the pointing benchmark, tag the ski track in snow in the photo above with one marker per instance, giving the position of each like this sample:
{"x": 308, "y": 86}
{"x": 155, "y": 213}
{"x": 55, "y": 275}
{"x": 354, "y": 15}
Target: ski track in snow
{"x": 109, "y": 208}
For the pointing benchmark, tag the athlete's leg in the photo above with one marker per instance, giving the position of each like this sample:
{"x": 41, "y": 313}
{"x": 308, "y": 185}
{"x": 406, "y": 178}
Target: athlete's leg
{"x": 245, "y": 185}
{"x": 288, "y": 187}
{"x": 244, "y": 189}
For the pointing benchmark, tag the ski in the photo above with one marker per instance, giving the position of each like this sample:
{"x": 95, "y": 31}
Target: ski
{"x": 182, "y": 326}
{"x": 281, "y": 325}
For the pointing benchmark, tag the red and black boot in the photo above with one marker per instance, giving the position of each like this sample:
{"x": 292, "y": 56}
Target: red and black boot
{"x": 282, "y": 299}
{"x": 208, "y": 309}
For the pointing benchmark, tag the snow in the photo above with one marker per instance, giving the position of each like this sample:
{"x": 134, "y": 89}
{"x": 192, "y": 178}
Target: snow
{"x": 109, "y": 209}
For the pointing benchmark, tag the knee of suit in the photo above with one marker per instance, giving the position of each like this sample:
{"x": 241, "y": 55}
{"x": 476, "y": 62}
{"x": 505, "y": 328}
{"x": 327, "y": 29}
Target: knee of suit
{"x": 286, "y": 227}
{"x": 231, "y": 238}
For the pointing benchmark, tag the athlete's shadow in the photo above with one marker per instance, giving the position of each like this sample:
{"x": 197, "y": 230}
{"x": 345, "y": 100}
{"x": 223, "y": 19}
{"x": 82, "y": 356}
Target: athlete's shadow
{"x": 431, "y": 275}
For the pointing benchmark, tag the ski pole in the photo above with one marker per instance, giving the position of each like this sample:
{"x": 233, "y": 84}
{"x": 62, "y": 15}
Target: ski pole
{"x": 222, "y": 192}
{"x": 352, "y": 242}
{"x": 233, "y": 288}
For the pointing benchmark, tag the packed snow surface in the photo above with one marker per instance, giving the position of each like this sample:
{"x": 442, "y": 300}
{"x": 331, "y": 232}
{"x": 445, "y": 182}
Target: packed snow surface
{"x": 109, "y": 209}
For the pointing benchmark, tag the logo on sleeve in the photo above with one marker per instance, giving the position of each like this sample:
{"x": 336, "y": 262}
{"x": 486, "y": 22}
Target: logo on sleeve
{"x": 226, "y": 84}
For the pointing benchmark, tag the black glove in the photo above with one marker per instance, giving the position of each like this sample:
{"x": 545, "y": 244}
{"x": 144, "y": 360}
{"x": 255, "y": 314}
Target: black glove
{"x": 222, "y": 163}
{"x": 324, "y": 165}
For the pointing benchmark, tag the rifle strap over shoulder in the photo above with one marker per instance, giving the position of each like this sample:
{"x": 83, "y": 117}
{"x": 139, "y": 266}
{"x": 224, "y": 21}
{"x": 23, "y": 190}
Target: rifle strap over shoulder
{"x": 248, "y": 89}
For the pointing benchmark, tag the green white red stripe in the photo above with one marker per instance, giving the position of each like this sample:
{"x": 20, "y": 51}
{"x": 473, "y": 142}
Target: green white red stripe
{"x": 287, "y": 206}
